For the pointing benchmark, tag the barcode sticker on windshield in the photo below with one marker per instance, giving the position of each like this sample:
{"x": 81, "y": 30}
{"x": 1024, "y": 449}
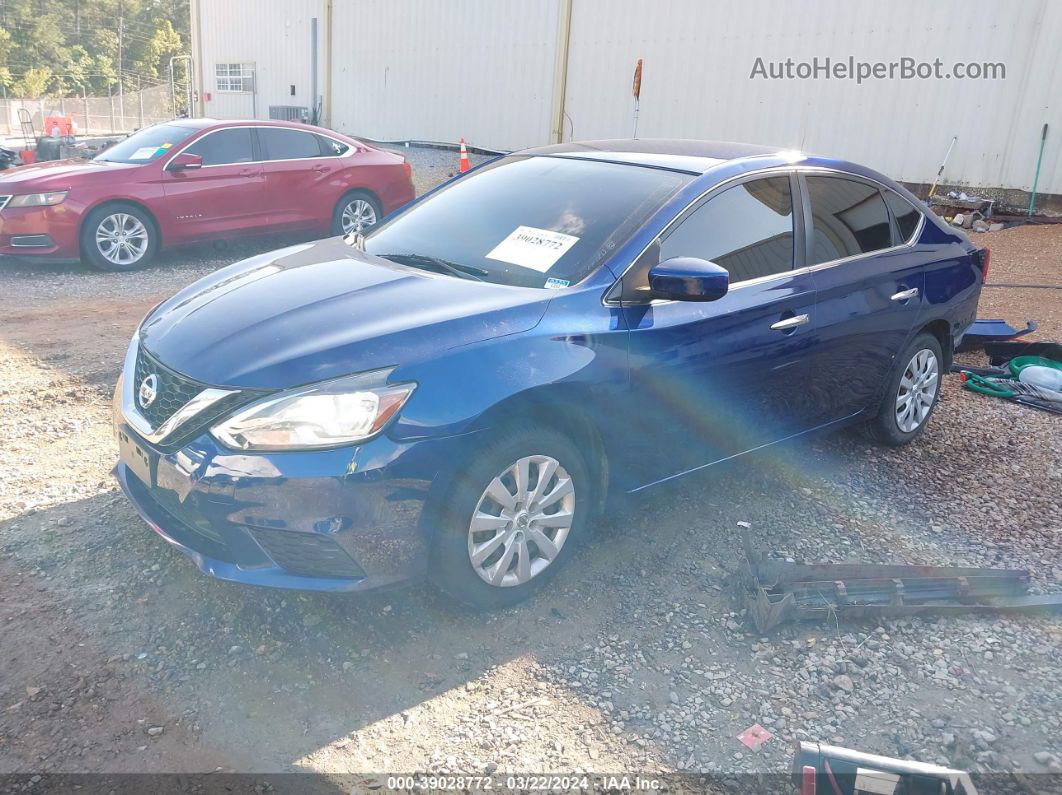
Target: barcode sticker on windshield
{"x": 537, "y": 249}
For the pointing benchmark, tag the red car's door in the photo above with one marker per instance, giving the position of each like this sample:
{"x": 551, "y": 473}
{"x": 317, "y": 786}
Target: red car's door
{"x": 225, "y": 195}
{"x": 299, "y": 172}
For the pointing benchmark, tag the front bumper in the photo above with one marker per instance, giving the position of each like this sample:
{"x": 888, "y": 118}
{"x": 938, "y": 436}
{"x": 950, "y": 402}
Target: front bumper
{"x": 40, "y": 231}
{"x": 337, "y": 520}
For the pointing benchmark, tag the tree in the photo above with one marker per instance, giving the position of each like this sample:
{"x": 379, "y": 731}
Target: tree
{"x": 70, "y": 46}
{"x": 154, "y": 57}
{"x": 34, "y": 82}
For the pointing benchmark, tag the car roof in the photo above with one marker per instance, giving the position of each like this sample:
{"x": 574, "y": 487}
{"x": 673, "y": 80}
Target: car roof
{"x": 723, "y": 159}
{"x": 204, "y": 123}
{"x": 682, "y": 154}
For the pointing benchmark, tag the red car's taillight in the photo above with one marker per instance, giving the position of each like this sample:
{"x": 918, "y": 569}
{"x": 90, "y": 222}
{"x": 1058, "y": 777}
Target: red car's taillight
{"x": 985, "y": 255}
{"x": 408, "y": 169}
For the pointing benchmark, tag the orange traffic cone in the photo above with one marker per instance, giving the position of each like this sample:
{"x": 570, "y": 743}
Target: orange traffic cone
{"x": 465, "y": 165}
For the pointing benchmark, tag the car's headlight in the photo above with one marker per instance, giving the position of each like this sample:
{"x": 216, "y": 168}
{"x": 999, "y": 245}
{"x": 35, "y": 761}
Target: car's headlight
{"x": 37, "y": 199}
{"x": 330, "y": 414}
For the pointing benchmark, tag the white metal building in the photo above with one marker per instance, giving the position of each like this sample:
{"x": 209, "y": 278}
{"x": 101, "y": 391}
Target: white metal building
{"x": 507, "y": 74}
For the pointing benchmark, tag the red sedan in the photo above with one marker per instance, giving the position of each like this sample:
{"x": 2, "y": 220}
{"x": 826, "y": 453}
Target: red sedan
{"x": 190, "y": 180}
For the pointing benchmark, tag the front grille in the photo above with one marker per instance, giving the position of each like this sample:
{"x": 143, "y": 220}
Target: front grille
{"x": 307, "y": 554}
{"x": 173, "y": 391}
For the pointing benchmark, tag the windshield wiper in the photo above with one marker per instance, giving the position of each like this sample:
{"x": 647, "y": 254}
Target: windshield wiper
{"x": 439, "y": 265}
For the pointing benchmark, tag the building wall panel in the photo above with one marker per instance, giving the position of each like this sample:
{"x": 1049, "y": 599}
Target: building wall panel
{"x": 696, "y": 81}
{"x": 421, "y": 69}
{"x": 485, "y": 70}
{"x": 274, "y": 35}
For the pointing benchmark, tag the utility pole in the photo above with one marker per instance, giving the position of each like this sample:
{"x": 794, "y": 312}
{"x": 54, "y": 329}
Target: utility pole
{"x": 140, "y": 103}
{"x": 121, "y": 88}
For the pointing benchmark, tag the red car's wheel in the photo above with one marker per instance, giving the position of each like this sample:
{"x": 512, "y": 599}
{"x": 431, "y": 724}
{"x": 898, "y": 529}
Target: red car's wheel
{"x": 358, "y": 212}
{"x": 118, "y": 237}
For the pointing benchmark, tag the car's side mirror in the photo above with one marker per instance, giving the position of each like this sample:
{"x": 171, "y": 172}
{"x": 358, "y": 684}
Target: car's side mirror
{"x": 185, "y": 161}
{"x": 688, "y": 279}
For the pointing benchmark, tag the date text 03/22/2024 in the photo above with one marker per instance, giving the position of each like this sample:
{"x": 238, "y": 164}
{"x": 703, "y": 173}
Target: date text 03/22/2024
{"x": 521, "y": 783}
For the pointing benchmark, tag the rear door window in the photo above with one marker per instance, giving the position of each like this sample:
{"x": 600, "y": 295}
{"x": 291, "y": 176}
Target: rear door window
{"x": 747, "y": 229}
{"x": 848, "y": 218}
{"x": 224, "y": 147}
{"x": 906, "y": 215}
{"x": 279, "y": 143}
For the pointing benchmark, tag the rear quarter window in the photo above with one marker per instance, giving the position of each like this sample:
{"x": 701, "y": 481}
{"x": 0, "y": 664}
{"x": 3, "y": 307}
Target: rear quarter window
{"x": 906, "y": 215}
{"x": 331, "y": 147}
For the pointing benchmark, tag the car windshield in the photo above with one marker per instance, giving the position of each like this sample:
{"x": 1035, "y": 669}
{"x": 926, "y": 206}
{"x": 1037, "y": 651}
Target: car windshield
{"x": 147, "y": 144}
{"x": 530, "y": 221}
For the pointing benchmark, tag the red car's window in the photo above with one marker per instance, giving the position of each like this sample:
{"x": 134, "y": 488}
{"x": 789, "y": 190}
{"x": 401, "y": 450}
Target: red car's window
{"x": 147, "y": 144}
{"x": 224, "y": 146}
{"x": 279, "y": 143}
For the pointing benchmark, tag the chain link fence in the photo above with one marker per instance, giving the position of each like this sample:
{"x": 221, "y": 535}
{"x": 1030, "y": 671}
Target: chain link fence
{"x": 117, "y": 113}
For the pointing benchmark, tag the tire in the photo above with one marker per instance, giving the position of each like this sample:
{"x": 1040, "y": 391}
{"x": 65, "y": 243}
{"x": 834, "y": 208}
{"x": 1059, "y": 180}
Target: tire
{"x": 130, "y": 253}
{"x": 451, "y": 565}
{"x": 361, "y": 205}
{"x": 921, "y": 363}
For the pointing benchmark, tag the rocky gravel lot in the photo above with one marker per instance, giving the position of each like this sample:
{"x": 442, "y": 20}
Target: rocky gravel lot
{"x": 117, "y": 656}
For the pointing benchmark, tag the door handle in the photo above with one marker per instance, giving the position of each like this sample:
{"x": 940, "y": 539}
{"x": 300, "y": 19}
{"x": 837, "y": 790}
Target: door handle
{"x": 906, "y": 295}
{"x": 791, "y": 323}
{"x": 320, "y": 168}
{"x": 247, "y": 172}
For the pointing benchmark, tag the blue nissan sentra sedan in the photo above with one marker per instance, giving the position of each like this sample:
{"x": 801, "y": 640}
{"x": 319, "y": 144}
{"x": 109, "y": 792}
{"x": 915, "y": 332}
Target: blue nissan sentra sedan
{"x": 455, "y": 394}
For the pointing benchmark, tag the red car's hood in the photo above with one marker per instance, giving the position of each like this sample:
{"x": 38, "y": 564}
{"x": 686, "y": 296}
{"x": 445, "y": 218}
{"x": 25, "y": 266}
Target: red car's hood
{"x": 56, "y": 174}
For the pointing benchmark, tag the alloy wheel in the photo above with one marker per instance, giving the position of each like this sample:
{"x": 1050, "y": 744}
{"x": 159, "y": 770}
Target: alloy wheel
{"x": 122, "y": 238}
{"x": 521, "y": 521}
{"x": 358, "y": 216}
{"x": 918, "y": 389}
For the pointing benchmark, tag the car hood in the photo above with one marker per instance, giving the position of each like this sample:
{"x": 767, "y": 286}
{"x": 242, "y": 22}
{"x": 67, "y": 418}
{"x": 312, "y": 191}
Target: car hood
{"x": 324, "y": 310}
{"x": 56, "y": 173}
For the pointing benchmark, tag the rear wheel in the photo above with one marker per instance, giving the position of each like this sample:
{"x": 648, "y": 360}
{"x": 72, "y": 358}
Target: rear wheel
{"x": 911, "y": 395}
{"x": 356, "y": 212}
{"x": 512, "y": 520}
{"x": 118, "y": 237}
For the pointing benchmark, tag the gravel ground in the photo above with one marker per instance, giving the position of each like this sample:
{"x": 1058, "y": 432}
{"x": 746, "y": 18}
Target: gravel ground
{"x": 118, "y": 656}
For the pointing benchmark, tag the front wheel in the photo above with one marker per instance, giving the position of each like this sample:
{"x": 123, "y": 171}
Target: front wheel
{"x": 911, "y": 394}
{"x": 512, "y": 519}
{"x": 118, "y": 237}
{"x": 357, "y": 212}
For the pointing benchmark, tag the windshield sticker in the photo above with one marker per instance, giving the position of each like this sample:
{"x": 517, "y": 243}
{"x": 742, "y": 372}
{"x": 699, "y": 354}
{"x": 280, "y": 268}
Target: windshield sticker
{"x": 556, "y": 284}
{"x": 537, "y": 249}
{"x": 143, "y": 153}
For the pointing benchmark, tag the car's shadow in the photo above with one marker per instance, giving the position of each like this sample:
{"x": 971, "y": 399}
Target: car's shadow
{"x": 283, "y": 680}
